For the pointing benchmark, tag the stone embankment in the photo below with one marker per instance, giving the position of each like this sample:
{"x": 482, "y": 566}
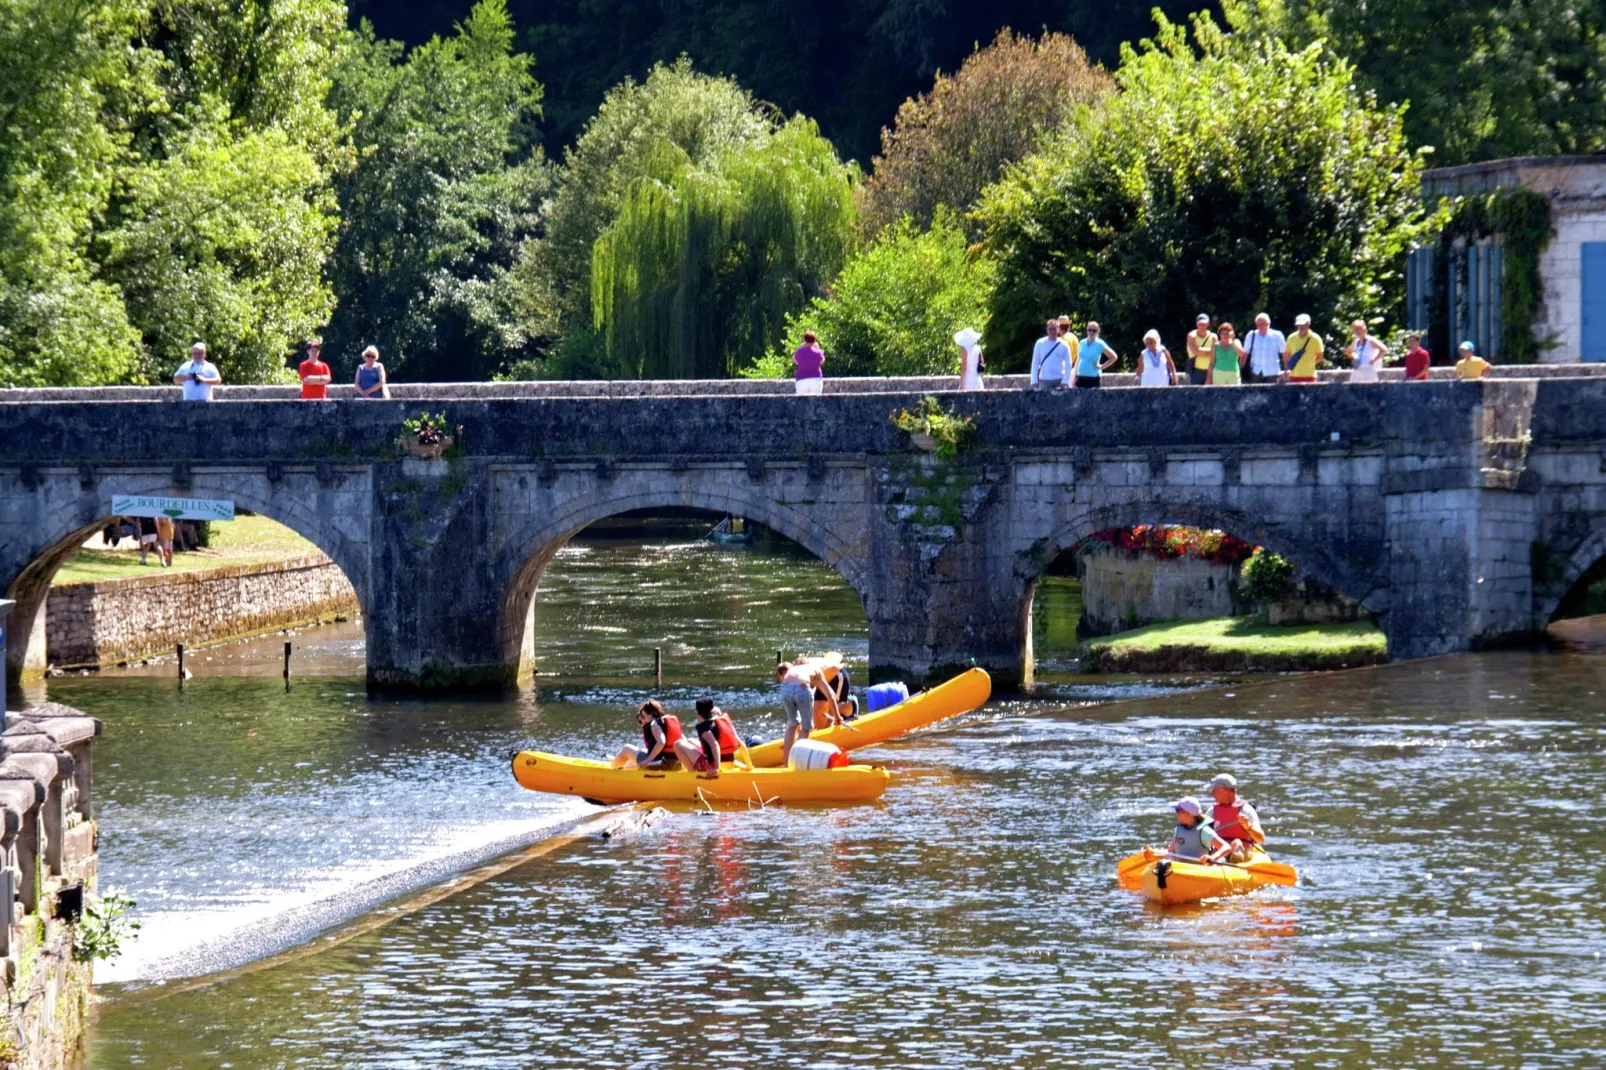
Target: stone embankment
{"x": 107, "y": 622}
{"x": 1122, "y": 590}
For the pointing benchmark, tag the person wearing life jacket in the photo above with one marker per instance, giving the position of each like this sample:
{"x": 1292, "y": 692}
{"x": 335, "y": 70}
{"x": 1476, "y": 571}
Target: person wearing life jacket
{"x": 659, "y": 733}
{"x": 1194, "y": 839}
{"x": 712, "y": 740}
{"x": 837, "y": 677}
{"x": 1234, "y": 819}
{"x": 800, "y": 680}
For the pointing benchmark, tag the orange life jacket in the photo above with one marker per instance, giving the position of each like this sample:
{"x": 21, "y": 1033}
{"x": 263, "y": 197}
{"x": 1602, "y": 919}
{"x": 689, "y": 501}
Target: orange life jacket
{"x": 672, "y": 731}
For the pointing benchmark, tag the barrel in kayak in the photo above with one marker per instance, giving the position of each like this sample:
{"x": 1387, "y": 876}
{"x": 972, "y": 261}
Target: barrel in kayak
{"x": 600, "y": 783}
{"x": 1172, "y": 882}
{"x": 965, "y": 692}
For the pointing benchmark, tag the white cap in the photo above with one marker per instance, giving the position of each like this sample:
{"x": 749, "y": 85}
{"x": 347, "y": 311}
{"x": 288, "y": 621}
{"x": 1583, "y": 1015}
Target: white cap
{"x": 198, "y": 347}
{"x": 1202, "y": 318}
{"x": 1224, "y": 780}
{"x": 1189, "y": 805}
{"x": 1301, "y": 320}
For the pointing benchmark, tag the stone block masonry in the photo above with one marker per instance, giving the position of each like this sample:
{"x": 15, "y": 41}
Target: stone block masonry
{"x": 111, "y": 621}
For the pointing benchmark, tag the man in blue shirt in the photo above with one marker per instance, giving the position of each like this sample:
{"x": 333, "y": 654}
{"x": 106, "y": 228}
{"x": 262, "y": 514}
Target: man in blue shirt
{"x": 197, "y": 375}
{"x": 1051, "y": 359}
{"x": 1092, "y": 358}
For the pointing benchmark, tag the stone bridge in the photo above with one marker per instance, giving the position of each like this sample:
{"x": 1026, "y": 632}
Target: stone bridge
{"x": 1458, "y": 513}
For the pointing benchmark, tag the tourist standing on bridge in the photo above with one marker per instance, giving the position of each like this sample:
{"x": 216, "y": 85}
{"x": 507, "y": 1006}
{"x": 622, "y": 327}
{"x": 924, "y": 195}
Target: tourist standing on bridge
{"x": 810, "y": 361}
{"x": 1093, "y": 356}
{"x": 315, "y": 377}
{"x": 1417, "y": 360}
{"x": 1366, "y": 352}
{"x": 1472, "y": 366}
{"x": 1265, "y": 347}
{"x": 1229, "y": 357}
{"x": 371, "y": 379}
{"x": 1155, "y": 366}
{"x": 1304, "y": 351}
{"x": 198, "y": 376}
{"x": 970, "y": 359}
{"x": 1051, "y": 359}
{"x": 1201, "y": 350}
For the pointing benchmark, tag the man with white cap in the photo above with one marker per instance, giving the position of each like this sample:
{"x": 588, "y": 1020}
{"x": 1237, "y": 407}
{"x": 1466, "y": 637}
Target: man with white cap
{"x": 197, "y": 375}
{"x": 1194, "y": 839}
{"x": 1234, "y": 819}
{"x": 1304, "y": 351}
{"x": 1265, "y": 347}
{"x": 1201, "y": 350}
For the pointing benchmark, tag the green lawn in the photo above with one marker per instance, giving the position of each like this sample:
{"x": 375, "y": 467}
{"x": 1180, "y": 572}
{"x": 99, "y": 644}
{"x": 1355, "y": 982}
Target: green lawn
{"x": 1243, "y": 635}
{"x": 244, "y": 540}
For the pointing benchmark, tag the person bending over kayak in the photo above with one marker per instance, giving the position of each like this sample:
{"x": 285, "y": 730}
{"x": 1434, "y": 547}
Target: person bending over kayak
{"x": 659, "y": 733}
{"x": 1234, "y": 819}
{"x": 713, "y": 740}
{"x": 838, "y": 676}
{"x": 799, "y": 681}
{"x": 1194, "y": 838}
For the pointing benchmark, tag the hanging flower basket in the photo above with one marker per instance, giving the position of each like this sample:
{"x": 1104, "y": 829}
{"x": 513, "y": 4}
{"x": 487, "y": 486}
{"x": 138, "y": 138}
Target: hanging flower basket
{"x": 922, "y": 441}
{"x": 426, "y": 450}
{"x": 428, "y": 436}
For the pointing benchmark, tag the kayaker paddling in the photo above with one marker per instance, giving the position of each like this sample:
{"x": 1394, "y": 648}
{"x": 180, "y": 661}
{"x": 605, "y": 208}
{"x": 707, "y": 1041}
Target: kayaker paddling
{"x": 1194, "y": 838}
{"x": 659, "y": 733}
{"x": 1235, "y": 820}
{"x": 799, "y": 681}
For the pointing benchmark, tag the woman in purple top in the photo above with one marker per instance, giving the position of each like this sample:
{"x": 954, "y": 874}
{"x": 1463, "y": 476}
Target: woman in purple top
{"x": 810, "y": 361}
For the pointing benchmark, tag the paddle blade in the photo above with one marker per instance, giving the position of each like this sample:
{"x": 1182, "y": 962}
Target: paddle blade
{"x": 1274, "y": 872}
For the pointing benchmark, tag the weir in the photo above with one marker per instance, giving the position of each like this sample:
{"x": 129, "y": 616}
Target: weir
{"x": 1458, "y": 513}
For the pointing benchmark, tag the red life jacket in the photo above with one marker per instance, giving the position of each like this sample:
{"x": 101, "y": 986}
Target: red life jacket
{"x": 672, "y": 730}
{"x": 728, "y": 743}
{"x": 1225, "y": 817}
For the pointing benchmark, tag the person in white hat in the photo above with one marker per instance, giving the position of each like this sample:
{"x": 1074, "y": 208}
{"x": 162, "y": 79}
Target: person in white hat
{"x": 1195, "y": 840}
{"x": 968, "y": 341}
{"x": 1234, "y": 819}
{"x": 1304, "y": 351}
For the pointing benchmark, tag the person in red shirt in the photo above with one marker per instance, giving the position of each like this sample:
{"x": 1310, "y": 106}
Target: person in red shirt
{"x": 1417, "y": 359}
{"x": 314, "y": 373}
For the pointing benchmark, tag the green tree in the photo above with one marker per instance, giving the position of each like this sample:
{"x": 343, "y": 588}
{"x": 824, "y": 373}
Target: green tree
{"x": 446, "y": 190}
{"x": 63, "y": 64}
{"x": 1484, "y": 78}
{"x": 1228, "y": 175}
{"x": 948, "y": 145}
{"x": 895, "y": 307}
{"x": 696, "y": 275}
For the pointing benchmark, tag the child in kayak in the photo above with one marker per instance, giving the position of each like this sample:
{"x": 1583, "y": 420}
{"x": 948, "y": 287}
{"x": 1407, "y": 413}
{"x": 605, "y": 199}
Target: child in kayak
{"x": 713, "y": 740}
{"x": 1194, "y": 838}
{"x": 1235, "y": 820}
{"x": 659, "y": 733}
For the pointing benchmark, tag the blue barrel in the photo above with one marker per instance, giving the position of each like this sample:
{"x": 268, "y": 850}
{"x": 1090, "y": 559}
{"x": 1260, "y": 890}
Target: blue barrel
{"x": 884, "y": 696}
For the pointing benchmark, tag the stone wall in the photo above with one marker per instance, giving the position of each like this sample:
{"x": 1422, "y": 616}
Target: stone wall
{"x": 1121, "y": 590}
{"x": 111, "y": 621}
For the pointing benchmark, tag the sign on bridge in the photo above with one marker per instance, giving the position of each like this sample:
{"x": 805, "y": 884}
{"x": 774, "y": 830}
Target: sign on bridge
{"x": 177, "y": 508}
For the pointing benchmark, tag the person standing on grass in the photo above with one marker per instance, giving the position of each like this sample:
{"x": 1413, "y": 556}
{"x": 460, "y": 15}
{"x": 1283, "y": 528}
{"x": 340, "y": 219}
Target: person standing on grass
{"x": 1155, "y": 366}
{"x": 315, "y": 377}
{"x": 810, "y": 361}
{"x": 147, "y": 538}
{"x": 198, "y": 376}
{"x": 1366, "y": 353}
{"x": 371, "y": 382}
{"x": 1201, "y": 350}
{"x": 1051, "y": 360}
{"x": 1229, "y": 357}
{"x": 1304, "y": 351}
{"x": 164, "y": 541}
{"x": 1417, "y": 360}
{"x": 1265, "y": 347}
{"x": 1093, "y": 357}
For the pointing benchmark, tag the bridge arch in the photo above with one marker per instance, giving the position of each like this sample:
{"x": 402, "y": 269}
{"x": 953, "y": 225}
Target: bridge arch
{"x": 66, "y": 512}
{"x": 535, "y": 544}
{"x": 1588, "y": 558}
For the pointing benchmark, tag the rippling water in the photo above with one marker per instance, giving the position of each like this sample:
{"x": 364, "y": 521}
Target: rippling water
{"x": 1441, "y": 811}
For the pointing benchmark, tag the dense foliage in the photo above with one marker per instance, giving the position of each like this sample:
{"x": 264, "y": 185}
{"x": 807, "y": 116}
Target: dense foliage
{"x": 1167, "y": 541}
{"x": 1007, "y": 101}
{"x": 895, "y": 307}
{"x": 1228, "y": 175}
{"x": 445, "y": 194}
{"x": 1520, "y": 219}
{"x": 1266, "y": 577}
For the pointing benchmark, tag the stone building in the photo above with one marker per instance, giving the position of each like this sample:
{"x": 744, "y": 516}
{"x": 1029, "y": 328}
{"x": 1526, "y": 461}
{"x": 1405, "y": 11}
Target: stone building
{"x": 1464, "y": 302}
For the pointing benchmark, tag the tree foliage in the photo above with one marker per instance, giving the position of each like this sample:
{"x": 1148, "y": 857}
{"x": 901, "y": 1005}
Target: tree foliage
{"x": 446, "y": 191}
{"x": 1228, "y": 175}
{"x": 1484, "y": 78}
{"x": 949, "y": 144}
{"x": 895, "y": 307}
{"x": 696, "y": 275}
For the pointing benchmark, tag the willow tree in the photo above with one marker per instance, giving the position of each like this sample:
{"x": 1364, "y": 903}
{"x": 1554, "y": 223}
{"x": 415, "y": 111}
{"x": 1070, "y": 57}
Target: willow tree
{"x": 704, "y": 262}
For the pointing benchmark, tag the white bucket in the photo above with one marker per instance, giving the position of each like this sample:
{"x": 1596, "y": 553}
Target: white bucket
{"x": 812, "y": 754}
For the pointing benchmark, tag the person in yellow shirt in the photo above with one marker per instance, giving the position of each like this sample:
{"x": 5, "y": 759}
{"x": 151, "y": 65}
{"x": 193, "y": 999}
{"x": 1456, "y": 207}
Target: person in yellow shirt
{"x": 1304, "y": 351}
{"x": 1201, "y": 351}
{"x": 1068, "y": 336}
{"x": 1472, "y": 366}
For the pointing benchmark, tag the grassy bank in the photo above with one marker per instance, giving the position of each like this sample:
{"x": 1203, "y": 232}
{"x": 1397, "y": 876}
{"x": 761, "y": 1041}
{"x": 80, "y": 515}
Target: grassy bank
{"x": 244, "y": 540}
{"x": 1237, "y": 644}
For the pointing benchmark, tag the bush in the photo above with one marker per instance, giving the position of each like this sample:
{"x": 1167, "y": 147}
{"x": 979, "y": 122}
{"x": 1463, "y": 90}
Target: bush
{"x": 1266, "y": 577}
{"x": 100, "y": 933}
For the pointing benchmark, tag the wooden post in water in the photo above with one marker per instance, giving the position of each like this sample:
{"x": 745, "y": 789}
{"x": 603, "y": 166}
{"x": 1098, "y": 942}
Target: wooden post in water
{"x": 181, "y": 666}
{"x": 658, "y": 664}
{"x": 287, "y": 664}
{"x": 778, "y": 658}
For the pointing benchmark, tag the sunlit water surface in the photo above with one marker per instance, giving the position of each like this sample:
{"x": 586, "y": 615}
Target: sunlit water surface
{"x": 1442, "y": 811}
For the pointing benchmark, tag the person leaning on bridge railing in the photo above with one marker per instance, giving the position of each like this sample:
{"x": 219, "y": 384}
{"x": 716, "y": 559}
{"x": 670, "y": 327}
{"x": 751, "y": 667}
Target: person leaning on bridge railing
{"x": 197, "y": 375}
{"x": 1304, "y": 352}
{"x": 1051, "y": 359}
{"x": 371, "y": 381}
{"x": 1265, "y": 348}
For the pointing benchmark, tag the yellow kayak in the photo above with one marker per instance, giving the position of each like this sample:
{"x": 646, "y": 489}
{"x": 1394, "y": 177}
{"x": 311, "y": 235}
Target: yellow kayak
{"x": 1172, "y": 882}
{"x": 965, "y": 692}
{"x": 598, "y": 782}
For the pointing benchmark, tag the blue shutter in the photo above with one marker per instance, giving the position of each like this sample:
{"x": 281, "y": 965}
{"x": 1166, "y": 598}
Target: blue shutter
{"x": 1592, "y": 331}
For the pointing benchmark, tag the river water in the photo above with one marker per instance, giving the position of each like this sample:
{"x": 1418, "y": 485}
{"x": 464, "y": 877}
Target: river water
{"x": 1442, "y": 812}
